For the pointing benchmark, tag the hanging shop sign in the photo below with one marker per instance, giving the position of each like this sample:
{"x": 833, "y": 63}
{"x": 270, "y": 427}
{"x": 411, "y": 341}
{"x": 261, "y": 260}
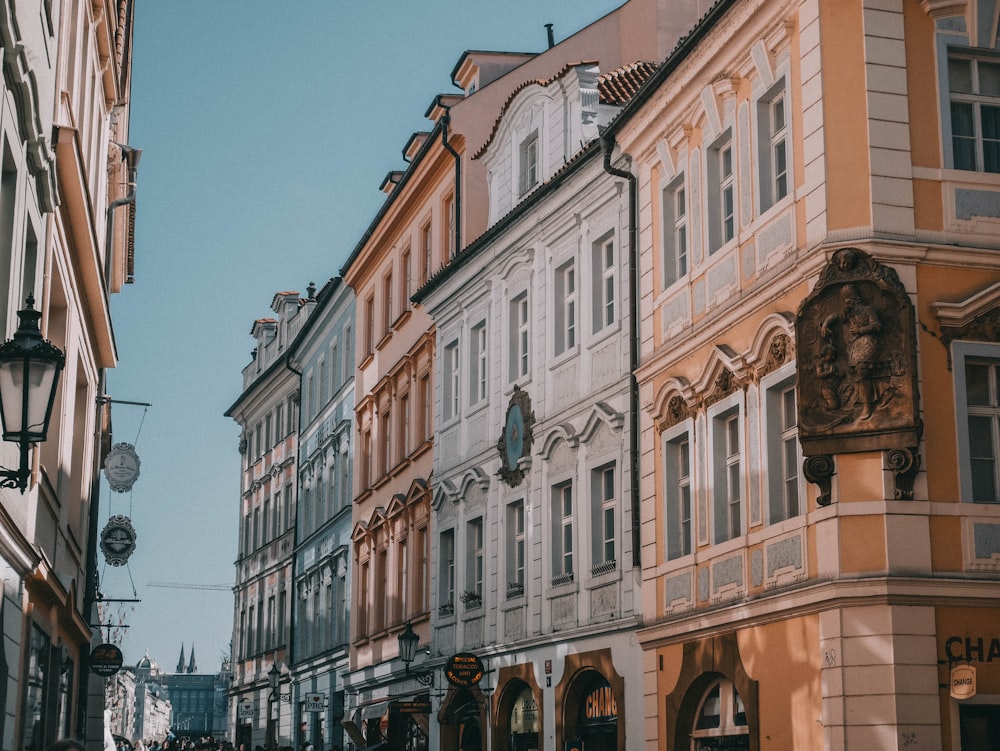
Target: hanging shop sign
{"x": 121, "y": 467}
{"x": 963, "y": 682}
{"x": 118, "y": 540}
{"x": 314, "y": 702}
{"x": 244, "y": 710}
{"x": 411, "y": 707}
{"x": 464, "y": 670}
{"x": 105, "y": 660}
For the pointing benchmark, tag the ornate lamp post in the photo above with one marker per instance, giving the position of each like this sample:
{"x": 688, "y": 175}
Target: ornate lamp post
{"x": 29, "y": 376}
{"x": 408, "y": 641}
{"x": 274, "y": 699}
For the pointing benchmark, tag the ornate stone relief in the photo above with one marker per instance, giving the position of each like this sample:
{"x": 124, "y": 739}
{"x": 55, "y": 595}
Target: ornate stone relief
{"x": 678, "y": 410}
{"x": 856, "y": 369}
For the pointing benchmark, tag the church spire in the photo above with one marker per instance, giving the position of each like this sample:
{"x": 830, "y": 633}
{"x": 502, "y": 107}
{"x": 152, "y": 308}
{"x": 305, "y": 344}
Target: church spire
{"x": 192, "y": 665}
{"x": 180, "y": 662}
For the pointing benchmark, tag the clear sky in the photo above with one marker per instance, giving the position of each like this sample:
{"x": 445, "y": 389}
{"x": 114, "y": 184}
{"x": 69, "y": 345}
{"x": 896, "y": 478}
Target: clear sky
{"x": 266, "y": 129}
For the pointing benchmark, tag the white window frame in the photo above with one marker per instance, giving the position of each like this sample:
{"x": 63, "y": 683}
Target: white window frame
{"x": 603, "y": 504}
{"x": 527, "y": 171}
{"x": 475, "y": 551}
{"x": 676, "y": 481}
{"x": 478, "y": 354}
{"x": 520, "y": 338}
{"x": 774, "y": 150}
{"x": 565, "y": 283}
{"x": 451, "y": 383}
{"x": 563, "y": 548}
{"x": 446, "y": 583}
{"x": 977, "y": 101}
{"x": 728, "y": 470}
{"x": 605, "y": 278}
{"x": 516, "y": 548}
{"x": 961, "y": 352}
{"x": 782, "y": 471}
{"x": 676, "y": 242}
{"x": 721, "y": 172}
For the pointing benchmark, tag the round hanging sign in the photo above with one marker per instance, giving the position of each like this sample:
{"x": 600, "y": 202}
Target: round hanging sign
{"x": 464, "y": 670}
{"x": 121, "y": 467}
{"x": 106, "y": 660}
{"x": 118, "y": 540}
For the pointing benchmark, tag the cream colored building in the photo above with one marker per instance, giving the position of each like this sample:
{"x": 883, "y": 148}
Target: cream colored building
{"x": 818, "y": 203}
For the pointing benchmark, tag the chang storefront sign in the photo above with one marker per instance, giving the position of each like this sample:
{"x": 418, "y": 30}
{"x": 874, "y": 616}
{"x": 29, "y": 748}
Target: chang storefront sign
{"x": 600, "y": 705}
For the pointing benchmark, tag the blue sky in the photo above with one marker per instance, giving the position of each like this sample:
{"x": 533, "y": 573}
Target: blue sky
{"x": 266, "y": 129}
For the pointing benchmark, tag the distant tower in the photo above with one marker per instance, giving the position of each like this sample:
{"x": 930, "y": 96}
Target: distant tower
{"x": 192, "y": 665}
{"x": 180, "y": 662}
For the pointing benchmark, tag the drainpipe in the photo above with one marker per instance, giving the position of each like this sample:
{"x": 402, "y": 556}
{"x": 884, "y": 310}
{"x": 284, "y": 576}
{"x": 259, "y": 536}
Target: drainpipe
{"x": 131, "y": 157}
{"x": 607, "y": 146}
{"x": 445, "y": 122}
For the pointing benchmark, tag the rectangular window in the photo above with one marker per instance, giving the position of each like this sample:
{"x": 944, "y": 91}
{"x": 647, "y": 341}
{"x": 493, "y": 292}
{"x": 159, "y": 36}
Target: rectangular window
{"x": 604, "y": 510}
{"x": 366, "y": 458}
{"x": 675, "y": 232}
{"x": 361, "y": 612}
{"x": 476, "y": 563}
{"x": 677, "y": 475}
{"x": 369, "y": 324}
{"x": 722, "y": 194}
{"x": 528, "y": 164}
{"x": 772, "y": 123}
{"x": 974, "y": 85}
{"x": 385, "y": 440}
{"x": 605, "y": 285}
{"x": 451, "y": 383}
{"x": 515, "y": 549}
{"x": 426, "y": 408}
{"x": 402, "y": 582}
{"x": 784, "y": 457}
{"x": 423, "y": 551}
{"x": 403, "y": 428}
{"x": 519, "y": 341}
{"x": 426, "y": 248}
{"x": 477, "y": 363}
{"x": 562, "y": 533}
{"x": 446, "y": 587}
{"x": 978, "y": 392}
{"x": 405, "y": 283}
{"x": 388, "y": 308}
{"x": 728, "y": 486}
{"x": 565, "y": 313}
{"x": 449, "y": 227}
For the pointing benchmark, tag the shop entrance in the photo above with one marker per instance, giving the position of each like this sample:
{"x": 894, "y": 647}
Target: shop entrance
{"x": 524, "y": 722}
{"x": 721, "y": 720}
{"x": 980, "y": 725}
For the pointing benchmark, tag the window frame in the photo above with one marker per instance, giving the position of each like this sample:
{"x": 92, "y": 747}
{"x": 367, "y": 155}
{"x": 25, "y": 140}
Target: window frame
{"x": 519, "y": 324}
{"x": 672, "y": 440}
{"x": 478, "y": 362}
{"x": 776, "y": 437}
{"x": 451, "y": 383}
{"x": 515, "y": 518}
{"x": 723, "y": 465}
{"x": 601, "y": 504}
{"x": 962, "y": 351}
{"x": 722, "y": 218}
{"x": 976, "y": 100}
{"x": 527, "y": 163}
{"x": 563, "y": 570}
{"x": 676, "y": 250}
{"x": 605, "y": 282}
{"x": 772, "y": 140}
{"x": 566, "y": 288}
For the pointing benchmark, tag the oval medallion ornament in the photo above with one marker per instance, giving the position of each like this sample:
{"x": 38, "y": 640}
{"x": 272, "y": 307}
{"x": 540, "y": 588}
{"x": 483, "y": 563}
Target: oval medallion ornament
{"x": 121, "y": 467}
{"x": 106, "y": 660}
{"x": 516, "y": 438}
{"x": 118, "y": 540}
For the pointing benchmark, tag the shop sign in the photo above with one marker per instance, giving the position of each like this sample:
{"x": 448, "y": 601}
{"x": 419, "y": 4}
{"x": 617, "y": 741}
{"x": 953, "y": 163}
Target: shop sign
{"x": 963, "y": 682}
{"x": 314, "y": 702}
{"x": 118, "y": 540}
{"x": 105, "y": 660}
{"x": 244, "y": 710}
{"x": 600, "y": 705}
{"x": 412, "y": 707}
{"x": 972, "y": 649}
{"x": 121, "y": 467}
{"x": 464, "y": 670}
{"x": 524, "y": 713}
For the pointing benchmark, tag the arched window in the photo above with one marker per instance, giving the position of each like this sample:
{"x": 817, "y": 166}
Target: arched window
{"x": 721, "y": 720}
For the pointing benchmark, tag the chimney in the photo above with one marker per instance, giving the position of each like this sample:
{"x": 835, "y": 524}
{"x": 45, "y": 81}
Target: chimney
{"x": 551, "y": 35}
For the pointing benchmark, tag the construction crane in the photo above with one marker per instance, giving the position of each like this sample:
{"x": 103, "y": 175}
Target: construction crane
{"x": 181, "y": 585}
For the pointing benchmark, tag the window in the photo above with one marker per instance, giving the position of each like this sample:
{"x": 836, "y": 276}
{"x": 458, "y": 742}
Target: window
{"x": 977, "y": 392}
{"x": 675, "y": 232}
{"x": 426, "y": 244}
{"x": 604, "y": 515}
{"x": 677, "y": 492}
{"x": 772, "y": 120}
{"x": 721, "y": 717}
{"x": 370, "y": 324}
{"x": 604, "y": 282}
{"x": 366, "y": 458}
{"x": 363, "y": 605}
{"x": 446, "y": 587}
{"x": 426, "y": 408}
{"x": 387, "y": 305}
{"x": 519, "y": 342}
{"x": 565, "y": 313}
{"x": 475, "y": 565}
{"x": 449, "y": 227}
{"x": 451, "y": 381}
{"x": 528, "y": 164}
{"x": 783, "y": 452}
{"x": 348, "y": 355}
{"x": 722, "y": 195}
{"x": 515, "y": 549}
{"x": 974, "y": 85}
{"x": 423, "y": 551}
{"x": 477, "y": 363}
{"x": 404, "y": 280}
{"x": 562, "y": 533}
{"x": 385, "y": 439}
{"x": 403, "y": 427}
{"x": 381, "y": 589}
{"x": 728, "y": 478}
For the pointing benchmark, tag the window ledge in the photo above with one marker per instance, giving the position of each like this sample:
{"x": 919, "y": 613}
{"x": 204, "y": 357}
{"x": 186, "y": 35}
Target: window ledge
{"x": 401, "y": 319}
{"x": 384, "y": 340}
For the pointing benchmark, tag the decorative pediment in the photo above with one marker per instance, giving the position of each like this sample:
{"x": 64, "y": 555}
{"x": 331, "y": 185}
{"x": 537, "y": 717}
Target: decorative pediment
{"x": 474, "y": 477}
{"x": 725, "y": 373}
{"x": 977, "y": 318}
{"x": 560, "y": 433}
{"x": 773, "y": 344}
{"x": 602, "y": 414}
{"x": 443, "y": 491}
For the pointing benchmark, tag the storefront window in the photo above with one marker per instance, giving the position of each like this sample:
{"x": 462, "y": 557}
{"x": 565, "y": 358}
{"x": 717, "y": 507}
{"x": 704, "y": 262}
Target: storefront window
{"x": 597, "y": 725}
{"x": 980, "y": 725}
{"x": 524, "y": 722}
{"x": 721, "y": 720}
{"x": 37, "y": 694}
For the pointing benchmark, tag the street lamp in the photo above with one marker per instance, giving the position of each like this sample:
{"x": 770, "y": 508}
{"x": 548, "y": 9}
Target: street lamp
{"x": 408, "y": 641}
{"x": 29, "y": 375}
{"x": 274, "y": 681}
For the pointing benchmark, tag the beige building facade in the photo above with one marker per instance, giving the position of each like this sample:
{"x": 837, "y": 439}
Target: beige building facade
{"x": 817, "y": 201}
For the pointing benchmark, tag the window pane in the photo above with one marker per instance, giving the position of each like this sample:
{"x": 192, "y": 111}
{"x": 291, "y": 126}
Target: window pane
{"x": 977, "y": 383}
{"x": 960, "y": 75}
{"x": 962, "y": 119}
{"x": 989, "y": 78}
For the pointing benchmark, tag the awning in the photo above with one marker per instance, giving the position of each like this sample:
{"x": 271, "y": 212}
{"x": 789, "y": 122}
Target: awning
{"x": 372, "y": 710}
